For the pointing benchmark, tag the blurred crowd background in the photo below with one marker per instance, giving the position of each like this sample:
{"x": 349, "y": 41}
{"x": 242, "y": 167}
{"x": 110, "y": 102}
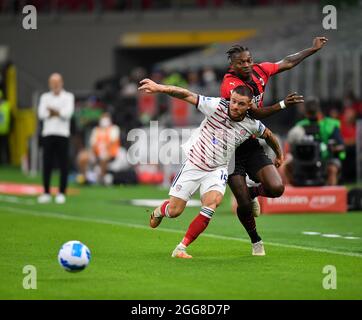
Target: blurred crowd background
{"x": 104, "y": 48}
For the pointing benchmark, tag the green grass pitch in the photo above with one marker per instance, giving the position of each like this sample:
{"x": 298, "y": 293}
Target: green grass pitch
{"x": 131, "y": 261}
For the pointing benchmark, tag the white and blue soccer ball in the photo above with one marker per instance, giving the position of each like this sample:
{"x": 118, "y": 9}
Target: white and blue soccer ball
{"x": 74, "y": 256}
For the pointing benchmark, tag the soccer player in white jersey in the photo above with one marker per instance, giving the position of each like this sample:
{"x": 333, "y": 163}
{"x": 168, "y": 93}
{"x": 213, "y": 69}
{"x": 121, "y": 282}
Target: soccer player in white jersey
{"x": 225, "y": 127}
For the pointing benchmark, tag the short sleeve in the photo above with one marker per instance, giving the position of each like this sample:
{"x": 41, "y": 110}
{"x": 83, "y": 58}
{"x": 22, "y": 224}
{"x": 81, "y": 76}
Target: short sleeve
{"x": 270, "y": 68}
{"x": 207, "y": 105}
{"x": 226, "y": 88}
{"x": 259, "y": 128}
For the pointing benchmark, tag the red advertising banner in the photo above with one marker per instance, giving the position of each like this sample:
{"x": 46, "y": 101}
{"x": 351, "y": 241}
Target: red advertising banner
{"x": 28, "y": 189}
{"x": 307, "y": 199}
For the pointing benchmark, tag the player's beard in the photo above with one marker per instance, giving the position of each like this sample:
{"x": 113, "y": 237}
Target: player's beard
{"x": 238, "y": 119}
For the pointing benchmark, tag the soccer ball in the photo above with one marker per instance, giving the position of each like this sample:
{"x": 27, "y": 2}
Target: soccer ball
{"x": 74, "y": 256}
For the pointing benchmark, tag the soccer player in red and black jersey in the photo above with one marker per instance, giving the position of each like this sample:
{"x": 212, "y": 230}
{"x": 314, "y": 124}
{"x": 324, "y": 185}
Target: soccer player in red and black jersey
{"x": 250, "y": 157}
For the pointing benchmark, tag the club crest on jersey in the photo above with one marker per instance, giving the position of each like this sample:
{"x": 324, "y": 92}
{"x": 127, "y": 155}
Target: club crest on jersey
{"x": 242, "y": 132}
{"x": 214, "y": 140}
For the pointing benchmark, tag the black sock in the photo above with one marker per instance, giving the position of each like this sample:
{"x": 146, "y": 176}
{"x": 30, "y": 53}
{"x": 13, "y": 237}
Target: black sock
{"x": 253, "y": 234}
{"x": 253, "y": 191}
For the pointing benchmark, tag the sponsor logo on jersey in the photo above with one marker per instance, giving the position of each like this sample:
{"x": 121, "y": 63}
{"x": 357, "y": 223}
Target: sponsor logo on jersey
{"x": 257, "y": 99}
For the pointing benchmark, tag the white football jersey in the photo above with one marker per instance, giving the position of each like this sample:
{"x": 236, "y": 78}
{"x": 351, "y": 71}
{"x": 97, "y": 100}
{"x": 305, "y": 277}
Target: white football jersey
{"x": 212, "y": 145}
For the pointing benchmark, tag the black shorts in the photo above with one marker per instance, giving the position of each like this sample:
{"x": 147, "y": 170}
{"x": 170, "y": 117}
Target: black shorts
{"x": 250, "y": 157}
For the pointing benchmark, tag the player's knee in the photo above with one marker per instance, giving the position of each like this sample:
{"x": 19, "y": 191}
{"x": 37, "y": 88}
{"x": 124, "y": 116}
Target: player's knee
{"x": 212, "y": 199}
{"x": 218, "y": 200}
{"x": 276, "y": 190}
{"x": 175, "y": 210}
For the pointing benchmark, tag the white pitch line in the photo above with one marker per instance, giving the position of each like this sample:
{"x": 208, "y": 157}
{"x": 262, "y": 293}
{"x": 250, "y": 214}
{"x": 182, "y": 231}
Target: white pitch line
{"x": 14, "y": 199}
{"x": 139, "y": 226}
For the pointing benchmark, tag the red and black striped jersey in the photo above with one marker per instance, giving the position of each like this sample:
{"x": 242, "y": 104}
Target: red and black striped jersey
{"x": 260, "y": 76}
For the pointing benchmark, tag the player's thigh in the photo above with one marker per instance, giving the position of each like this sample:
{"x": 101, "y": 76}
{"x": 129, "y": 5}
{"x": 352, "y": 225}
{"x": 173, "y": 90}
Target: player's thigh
{"x": 256, "y": 160}
{"x": 271, "y": 180}
{"x": 214, "y": 182}
{"x": 239, "y": 188}
{"x": 186, "y": 182}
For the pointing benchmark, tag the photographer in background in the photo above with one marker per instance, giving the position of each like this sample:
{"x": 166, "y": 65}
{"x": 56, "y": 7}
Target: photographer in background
{"x": 326, "y": 132}
{"x": 104, "y": 149}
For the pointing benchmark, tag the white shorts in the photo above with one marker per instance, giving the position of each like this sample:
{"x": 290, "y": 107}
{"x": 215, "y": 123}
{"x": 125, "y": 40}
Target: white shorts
{"x": 190, "y": 178}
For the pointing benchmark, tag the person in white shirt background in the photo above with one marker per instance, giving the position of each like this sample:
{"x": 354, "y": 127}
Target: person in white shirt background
{"x": 56, "y": 108}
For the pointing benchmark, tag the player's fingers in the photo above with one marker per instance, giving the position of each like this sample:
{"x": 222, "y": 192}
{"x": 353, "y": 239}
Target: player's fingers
{"x": 144, "y": 88}
{"x": 146, "y": 80}
{"x": 299, "y": 98}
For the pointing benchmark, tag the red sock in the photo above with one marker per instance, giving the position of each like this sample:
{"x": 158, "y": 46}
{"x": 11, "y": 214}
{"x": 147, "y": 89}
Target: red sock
{"x": 197, "y": 226}
{"x": 164, "y": 209}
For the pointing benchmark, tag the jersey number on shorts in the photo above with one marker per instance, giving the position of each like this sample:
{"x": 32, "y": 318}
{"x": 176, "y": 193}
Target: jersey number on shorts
{"x": 224, "y": 176}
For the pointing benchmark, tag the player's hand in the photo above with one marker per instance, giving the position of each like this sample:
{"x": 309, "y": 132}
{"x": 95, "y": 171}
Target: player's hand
{"x": 53, "y": 112}
{"x": 293, "y": 98}
{"x": 149, "y": 86}
{"x": 278, "y": 161}
{"x": 319, "y": 42}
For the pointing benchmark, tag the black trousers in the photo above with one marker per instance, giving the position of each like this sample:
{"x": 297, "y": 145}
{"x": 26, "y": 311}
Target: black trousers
{"x": 55, "y": 150}
{"x": 4, "y": 149}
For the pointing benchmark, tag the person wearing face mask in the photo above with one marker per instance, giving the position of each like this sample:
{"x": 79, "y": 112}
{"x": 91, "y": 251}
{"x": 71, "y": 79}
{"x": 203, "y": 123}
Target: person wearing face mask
{"x": 104, "y": 147}
{"x": 55, "y": 110}
{"x": 326, "y": 132}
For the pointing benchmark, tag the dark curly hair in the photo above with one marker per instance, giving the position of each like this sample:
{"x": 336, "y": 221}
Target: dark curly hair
{"x": 235, "y": 49}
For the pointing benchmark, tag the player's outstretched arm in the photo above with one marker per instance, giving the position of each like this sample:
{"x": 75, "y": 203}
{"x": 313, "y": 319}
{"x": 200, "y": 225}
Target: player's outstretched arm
{"x": 290, "y": 100}
{"x": 292, "y": 60}
{"x": 149, "y": 86}
{"x": 273, "y": 143}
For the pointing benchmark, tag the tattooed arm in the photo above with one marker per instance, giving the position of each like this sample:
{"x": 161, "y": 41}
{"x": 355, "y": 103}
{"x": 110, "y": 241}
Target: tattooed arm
{"x": 273, "y": 143}
{"x": 150, "y": 86}
{"x": 293, "y": 59}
